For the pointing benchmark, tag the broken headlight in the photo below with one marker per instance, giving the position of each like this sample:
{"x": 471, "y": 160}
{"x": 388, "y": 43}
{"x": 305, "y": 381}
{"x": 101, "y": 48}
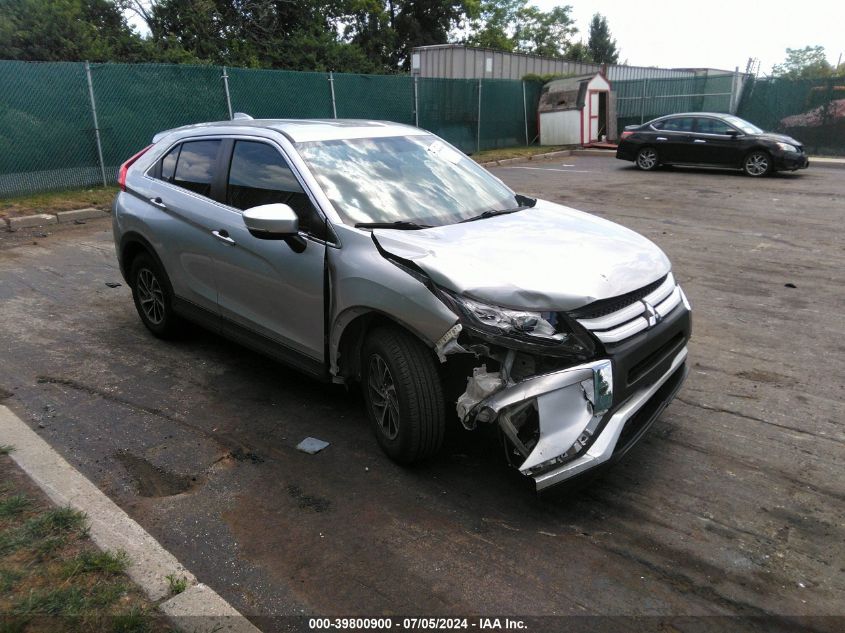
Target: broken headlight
{"x": 507, "y": 326}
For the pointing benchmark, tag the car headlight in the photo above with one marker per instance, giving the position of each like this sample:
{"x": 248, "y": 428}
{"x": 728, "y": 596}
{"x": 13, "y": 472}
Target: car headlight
{"x": 510, "y": 327}
{"x": 786, "y": 147}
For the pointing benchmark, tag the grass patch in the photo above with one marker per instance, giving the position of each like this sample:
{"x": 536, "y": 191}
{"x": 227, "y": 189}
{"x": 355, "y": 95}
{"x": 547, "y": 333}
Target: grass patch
{"x": 53, "y": 578}
{"x": 12, "y": 506}
{"x": 54, "y": 201}
{"x": 100, "y": 562}
{"x": 5, "y": 449}
{"x": 177, "y": 584}
{"x": 514, "y": 152}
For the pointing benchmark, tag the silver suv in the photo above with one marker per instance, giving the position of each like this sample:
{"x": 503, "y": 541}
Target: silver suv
{"x": 376, "y": 253}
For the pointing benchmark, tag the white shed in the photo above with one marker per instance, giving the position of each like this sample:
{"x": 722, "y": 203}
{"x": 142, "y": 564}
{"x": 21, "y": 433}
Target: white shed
{"x": 577, "y": 111}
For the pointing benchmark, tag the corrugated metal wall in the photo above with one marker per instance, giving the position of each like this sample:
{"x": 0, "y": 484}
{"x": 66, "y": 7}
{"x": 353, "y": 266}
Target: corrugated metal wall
{"x": 454, "y": 61}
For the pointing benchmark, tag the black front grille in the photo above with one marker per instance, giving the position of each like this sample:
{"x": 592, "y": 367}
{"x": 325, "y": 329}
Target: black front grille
{"x": 609, "y": 306}
{"x": 649, "y": 411}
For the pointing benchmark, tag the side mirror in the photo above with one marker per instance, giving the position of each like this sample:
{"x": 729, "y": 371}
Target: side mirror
{"x": 732, "y": 133}
{"x": 271, "y": 221}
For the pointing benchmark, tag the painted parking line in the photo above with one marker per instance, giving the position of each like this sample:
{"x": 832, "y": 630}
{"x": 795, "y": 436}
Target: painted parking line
{"x": 565, "y": 171}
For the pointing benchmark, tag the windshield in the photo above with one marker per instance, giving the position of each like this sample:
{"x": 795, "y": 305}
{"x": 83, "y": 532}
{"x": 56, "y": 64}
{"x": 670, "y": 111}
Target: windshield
{"x": 743, "y": 125}
{"x": 417, "y": 179}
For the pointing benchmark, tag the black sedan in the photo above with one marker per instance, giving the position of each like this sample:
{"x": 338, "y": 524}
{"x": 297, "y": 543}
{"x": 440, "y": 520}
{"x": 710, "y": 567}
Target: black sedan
{"x": 712, "y": 140}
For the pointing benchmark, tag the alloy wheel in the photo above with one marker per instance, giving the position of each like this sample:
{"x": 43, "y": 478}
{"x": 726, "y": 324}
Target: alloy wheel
{"x": 383, "y": 399}
{"x": 757, "y": 164}
{"x": 150, "y": 296}
{"x": 647, "y": 159}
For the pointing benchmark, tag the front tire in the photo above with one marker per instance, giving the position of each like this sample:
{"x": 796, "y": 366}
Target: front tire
{"x": 403, "y": 394}
{"x": 757, "y": 164}
{"x": 153, "y": 300}
{"x": 647, "y": 159}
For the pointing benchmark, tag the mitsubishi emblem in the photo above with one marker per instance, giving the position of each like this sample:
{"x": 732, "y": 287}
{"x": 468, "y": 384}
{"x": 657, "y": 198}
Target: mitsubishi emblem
{"x": 651, "y": 315}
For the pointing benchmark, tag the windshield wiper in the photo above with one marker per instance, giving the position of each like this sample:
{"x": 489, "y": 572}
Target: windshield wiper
{"x": 524, "y": 202}
{"x": 398, "y": 224}
{"x": 492, "y": 213}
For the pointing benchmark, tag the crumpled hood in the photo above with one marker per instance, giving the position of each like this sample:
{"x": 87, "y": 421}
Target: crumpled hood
{"x": 549, "y": 257}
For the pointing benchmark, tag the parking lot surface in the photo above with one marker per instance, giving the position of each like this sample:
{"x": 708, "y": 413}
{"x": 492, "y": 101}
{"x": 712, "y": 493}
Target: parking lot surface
{"x": 732, "y": 505}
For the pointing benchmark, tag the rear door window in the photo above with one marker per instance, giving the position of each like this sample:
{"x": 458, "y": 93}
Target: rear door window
{"x": 195, "y": 166}
{"x": 711, "y": 126}
{"x": 259, "y": 174}
{"x": 679, "y": 124}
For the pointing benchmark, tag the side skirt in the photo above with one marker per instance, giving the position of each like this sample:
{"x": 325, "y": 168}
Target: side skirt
{"x": 254, "y": 341}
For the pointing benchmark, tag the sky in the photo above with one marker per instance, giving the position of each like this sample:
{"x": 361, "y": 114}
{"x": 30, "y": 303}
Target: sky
{"x": 713, "y": 33}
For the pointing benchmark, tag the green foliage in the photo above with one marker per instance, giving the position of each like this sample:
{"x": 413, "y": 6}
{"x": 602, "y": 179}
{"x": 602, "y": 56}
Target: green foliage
{"x": 809, "y": 62}
{"x": 579, "y": 52}
{"x": 95, "y": 562}
{"x": 546, "y": 78}
{"x": 601, "y": 45}
{"x": 5, "y": 449}
{"x": 71, "y": 30}
{"x": 517, "y": 26}
{"x": 176, "y": 584}
{"x": 13, "y": 505}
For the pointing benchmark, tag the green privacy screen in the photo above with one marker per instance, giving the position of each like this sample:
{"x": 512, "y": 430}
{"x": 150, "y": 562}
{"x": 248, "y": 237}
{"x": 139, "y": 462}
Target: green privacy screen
{"x": 641, "y": 100}
{"x": 811, "y": 110}
{"x": 47, "y": 131}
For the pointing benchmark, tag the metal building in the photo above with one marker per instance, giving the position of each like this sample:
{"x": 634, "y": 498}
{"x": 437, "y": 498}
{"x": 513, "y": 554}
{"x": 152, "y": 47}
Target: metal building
{"x": 454, "y": 61}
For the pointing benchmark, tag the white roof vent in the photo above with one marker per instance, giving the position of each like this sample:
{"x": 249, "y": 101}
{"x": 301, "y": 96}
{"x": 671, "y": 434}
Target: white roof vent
{"x": 241, "y": 115}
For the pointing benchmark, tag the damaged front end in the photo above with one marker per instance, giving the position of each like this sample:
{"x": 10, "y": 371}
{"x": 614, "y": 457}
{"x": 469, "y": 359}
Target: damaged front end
{"x": 549, "y": 387}
{"x": 568, "y": 390}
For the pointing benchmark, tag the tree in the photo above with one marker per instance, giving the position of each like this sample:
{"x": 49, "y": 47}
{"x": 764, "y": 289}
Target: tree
{"x": 67, "y": 30}
{"x": 545, "y": 33}
{"x": 602, "y": 47}
{"x": 516, "y": 26}
{"x": 578, "y": 52}
{"x": 809, "y": 62}
{"x": 423, "y": 22}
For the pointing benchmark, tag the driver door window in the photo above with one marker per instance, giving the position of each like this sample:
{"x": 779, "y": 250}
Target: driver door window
{"x": 259, "y": 174}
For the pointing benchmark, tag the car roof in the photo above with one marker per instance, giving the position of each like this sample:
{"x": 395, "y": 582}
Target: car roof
{"x": 301, "y": 130}
{"x": 718, "y": 115}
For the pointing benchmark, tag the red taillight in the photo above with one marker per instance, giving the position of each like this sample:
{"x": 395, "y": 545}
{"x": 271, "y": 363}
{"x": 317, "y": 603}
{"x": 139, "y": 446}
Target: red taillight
{"x": 121, "y": 175}
{"x": 626, "y": 134}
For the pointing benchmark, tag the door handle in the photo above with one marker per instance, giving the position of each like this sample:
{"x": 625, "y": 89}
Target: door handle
{"x": 699, "y": 140}
{"x": 223, "y": 236}
{"x": 662, "y": 138}
{"x": 158, "y": 202}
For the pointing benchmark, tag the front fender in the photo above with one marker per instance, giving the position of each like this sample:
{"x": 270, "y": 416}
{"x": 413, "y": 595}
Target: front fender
{"x": 362, "y": 281}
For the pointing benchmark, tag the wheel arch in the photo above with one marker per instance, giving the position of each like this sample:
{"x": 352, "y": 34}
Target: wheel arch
{"x": 133, "y": 244}
{"x": 351, "y": 328}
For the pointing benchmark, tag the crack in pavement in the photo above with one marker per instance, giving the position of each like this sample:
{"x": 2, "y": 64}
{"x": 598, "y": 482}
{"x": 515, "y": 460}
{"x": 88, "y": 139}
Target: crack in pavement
{"x": 745, "y": 416}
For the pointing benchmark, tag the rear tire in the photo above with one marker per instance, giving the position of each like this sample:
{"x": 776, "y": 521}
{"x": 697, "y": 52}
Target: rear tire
{"x": 647, "y": 159}
{"x": 757, "y": 164}
{"x": 153, "y": 298}
{"x": 403, "y": 394}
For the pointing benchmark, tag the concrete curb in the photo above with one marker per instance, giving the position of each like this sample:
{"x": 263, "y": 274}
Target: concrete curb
{"x": 520, "y": 159}
{"x": 821, "y": 161}
{"x": 60, "y": 217}
{"x": 113, "y": 529}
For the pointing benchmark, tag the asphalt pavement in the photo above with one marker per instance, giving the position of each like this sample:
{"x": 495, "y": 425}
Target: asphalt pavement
{"x": 732, "y": 505}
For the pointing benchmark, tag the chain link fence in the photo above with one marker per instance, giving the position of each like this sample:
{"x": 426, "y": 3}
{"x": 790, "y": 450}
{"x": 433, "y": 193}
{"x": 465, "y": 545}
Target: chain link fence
{"x": 67, "y": 124}
{"x": 811, "y": 110}
{"x": 641, "y": 100}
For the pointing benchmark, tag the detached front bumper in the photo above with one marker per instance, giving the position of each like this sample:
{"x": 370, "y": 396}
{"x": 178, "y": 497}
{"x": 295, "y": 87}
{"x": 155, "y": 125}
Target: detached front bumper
{"x": 625, "y": 426}
{"x": 564, "y": 423}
